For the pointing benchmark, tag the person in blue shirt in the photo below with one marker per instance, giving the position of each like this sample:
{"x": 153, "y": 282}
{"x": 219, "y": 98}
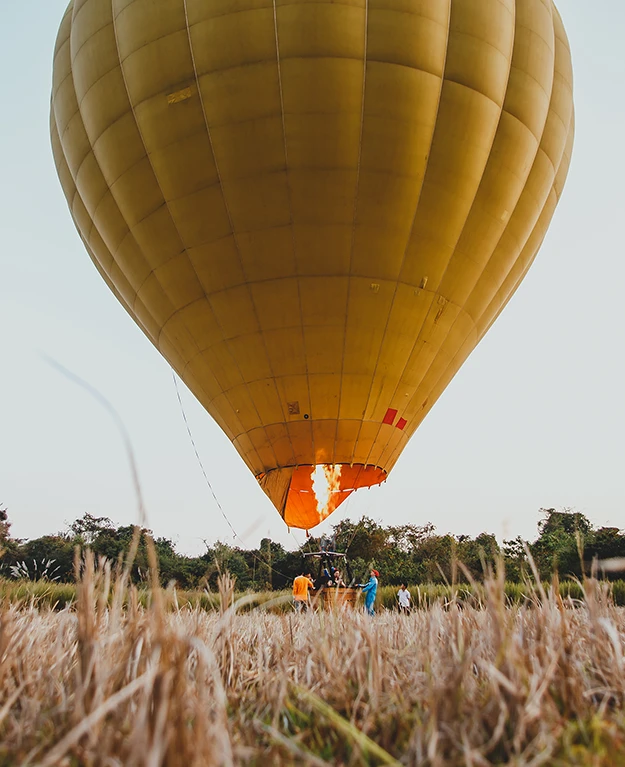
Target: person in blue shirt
{"x": 370, "y": 589}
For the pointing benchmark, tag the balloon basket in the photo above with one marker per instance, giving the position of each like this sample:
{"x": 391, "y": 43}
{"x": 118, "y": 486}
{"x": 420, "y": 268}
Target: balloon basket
{"x": 334, "y": 598}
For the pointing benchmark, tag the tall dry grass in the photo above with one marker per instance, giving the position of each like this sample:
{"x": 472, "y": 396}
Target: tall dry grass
{"x": 113, "y": 682}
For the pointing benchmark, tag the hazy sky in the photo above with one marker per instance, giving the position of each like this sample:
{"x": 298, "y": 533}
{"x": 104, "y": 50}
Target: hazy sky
{"x": 535, "y": 418}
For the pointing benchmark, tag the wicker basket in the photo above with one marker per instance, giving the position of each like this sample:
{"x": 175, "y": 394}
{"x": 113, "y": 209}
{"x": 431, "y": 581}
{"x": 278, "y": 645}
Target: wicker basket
{"x": 334, "y": 597}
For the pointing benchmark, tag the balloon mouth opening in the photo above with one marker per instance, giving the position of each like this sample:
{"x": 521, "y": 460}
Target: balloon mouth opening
{"x": 306, "y": 495}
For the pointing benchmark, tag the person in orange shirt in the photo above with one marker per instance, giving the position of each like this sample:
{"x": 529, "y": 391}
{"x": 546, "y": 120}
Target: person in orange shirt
{"x": 300, "y": 591}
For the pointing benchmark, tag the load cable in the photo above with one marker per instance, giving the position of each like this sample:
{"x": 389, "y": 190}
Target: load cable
{"x": 212, "y": 490}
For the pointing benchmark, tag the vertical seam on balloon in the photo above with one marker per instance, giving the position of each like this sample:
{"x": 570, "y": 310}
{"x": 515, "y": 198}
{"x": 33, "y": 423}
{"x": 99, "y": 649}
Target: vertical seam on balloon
{"x": 132, "y": 109}
{"x": 292, "y": 227}
{"x": 420, "y": 333}
{"x": 354, "y": 214}
{"x": 520, "y": 252}
{"x": 390, "y": 310}
{"x": 234, "y": 237}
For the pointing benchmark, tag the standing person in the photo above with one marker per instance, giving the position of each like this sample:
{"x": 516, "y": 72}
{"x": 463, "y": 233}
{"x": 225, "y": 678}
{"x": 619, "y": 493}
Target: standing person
{"x": 405, "y": 599}
{"x": 300, "y": 591}
{"x": 370, "y": 589}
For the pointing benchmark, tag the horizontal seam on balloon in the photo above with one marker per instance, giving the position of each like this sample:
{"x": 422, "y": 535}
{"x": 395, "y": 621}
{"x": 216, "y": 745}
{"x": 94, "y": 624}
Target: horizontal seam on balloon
{"x": 95, "y": 83}
{"x": 244, "y": 65}
{"x": 70, "y": 121}
{"x": 127, "y": 56}
{"x": 344, "y": 276}
{"x": 93, "y": 32}
{"x": 68, "y": 12}
{"x": 549, "y": 43}
{"x": 506, "y": 5}
{"x": 244, "y": 232}
{"x": 247, "y": 432}
{"x": 557, "y": 116}
{"x": 89, "y": 38}
{"x": 213, "y": 72}
{"x": 57, "y": 55}
{"x": 569, "y": 90}
{"x": 402, "y": 12}
{"x": 456, "y": 34}
{"x": 474, "y": 90}
{"x": 260, "y": 174}
{"x": 145, "y": 154}
{"x": 565, "y": 80}
{"x": 368, "y": 372}
{"x": 189, "y": 136}
{"x": 269, "y": 8}
{"x": 77, "y": 12}
{"x": 530, "y": 77}
{"x": 559, "y": 30}
{"x": 165, "y": 200}
{"x": 158, "y": 94}
{"x": 524, "y": 124}
{"x": 55, "y": 93}
{"x": 251, "y": 11}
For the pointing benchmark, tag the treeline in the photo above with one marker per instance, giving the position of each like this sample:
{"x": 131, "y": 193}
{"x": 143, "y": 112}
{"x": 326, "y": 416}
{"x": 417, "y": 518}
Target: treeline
{"x": 566, "y": 543}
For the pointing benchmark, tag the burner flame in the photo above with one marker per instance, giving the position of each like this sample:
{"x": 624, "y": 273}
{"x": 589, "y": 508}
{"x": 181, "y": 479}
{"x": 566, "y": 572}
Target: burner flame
{"x": 325, "y": 481}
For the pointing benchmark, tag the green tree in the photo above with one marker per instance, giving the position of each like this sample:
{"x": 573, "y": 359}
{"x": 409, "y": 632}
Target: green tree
{"x": 515, "y": 559}
{"x": 556, "y": 548}
{"x": 365, "y": 540}
{"x": 477, "y": 554}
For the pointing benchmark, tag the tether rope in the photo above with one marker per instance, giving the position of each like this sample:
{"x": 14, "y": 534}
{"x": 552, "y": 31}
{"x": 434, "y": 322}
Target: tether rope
{"x": 212, "y": 490}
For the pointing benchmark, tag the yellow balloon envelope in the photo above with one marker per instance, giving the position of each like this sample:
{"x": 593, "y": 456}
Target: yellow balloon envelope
{"x": 314, "y": 210}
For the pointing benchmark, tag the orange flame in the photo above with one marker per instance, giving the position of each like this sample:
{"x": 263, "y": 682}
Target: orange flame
{"x": 325, "y": 481}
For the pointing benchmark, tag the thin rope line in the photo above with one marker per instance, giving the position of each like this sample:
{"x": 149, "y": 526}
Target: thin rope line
{"x": 199, "y": 460}
{"x": 212, "y": 490}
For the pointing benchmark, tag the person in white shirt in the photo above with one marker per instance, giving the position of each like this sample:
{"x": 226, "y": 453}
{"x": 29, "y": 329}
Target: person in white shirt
{"x": 405, "y": 600}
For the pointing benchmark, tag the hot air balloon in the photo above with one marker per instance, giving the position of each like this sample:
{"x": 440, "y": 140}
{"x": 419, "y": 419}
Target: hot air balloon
{"x": 314, "y": 210}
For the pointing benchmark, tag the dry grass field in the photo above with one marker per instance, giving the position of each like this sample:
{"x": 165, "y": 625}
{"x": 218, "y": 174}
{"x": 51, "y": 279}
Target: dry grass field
{"x": 108, "y": 682}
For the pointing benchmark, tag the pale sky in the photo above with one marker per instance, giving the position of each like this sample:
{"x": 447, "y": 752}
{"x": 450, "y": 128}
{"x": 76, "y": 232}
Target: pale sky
{"x": 535, "y": 418}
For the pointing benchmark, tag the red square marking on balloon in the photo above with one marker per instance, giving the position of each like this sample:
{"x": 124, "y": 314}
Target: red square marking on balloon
{"x": 401, "y": 423}
{"x": 390, "y": 416}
